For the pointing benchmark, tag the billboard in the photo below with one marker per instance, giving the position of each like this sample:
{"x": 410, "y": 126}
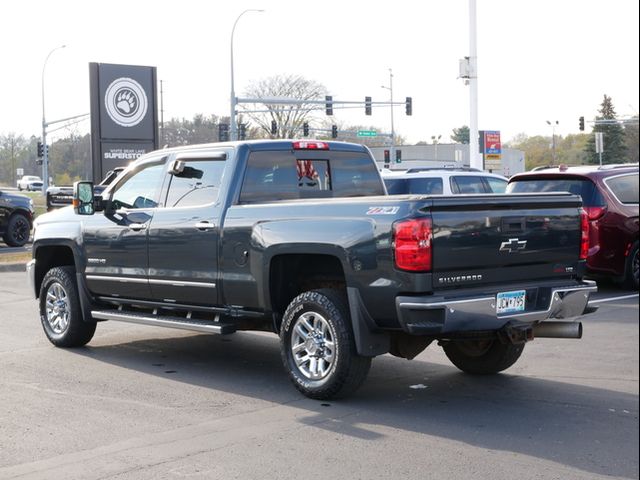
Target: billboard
{"x": 124, "y": 118}
{"x": 490, "y": 144}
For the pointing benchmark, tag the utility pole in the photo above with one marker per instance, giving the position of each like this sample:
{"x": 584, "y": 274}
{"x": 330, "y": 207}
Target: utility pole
{"x": 234, "y": 101}
{"x": 553, "y": 140}
{"x": 161, "y": 115}
{"x": 45, "y": 159}
{"x": 474, "y": 160}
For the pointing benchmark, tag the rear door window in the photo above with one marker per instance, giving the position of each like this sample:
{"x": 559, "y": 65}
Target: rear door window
{"x": 467, "y": 184}
{"x": 416, "y": 186}
{"x": 496, "y": 185}
{"x": 591, "y": 197}
{"x": 624, "y": 188}
{"x": 288, "y": 175}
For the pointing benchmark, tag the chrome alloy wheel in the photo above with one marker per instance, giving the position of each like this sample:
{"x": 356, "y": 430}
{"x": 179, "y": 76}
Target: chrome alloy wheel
{"x": 57, "y": 308}
{"x": 312, "y": 345}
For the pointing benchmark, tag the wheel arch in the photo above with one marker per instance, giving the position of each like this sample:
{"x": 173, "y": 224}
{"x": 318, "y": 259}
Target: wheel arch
{"x": 291, "y": 274}
{"x": 59, "y": 253}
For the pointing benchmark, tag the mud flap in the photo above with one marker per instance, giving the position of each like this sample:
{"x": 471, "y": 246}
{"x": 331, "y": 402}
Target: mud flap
{"x": 368, "y": 342}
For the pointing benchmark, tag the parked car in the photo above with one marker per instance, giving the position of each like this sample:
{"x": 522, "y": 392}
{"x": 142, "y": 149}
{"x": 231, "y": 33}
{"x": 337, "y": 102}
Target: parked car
{"x": 442, "y": 181}
{"x": 30, "y": 183}
{"x": 298, "y": 238}
{"x": 610, "y": 198}
{"x": 62, "y": 196}
{"x": 16, "y": 218}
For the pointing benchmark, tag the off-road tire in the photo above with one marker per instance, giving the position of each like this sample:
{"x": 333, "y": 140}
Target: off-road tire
{"x": 327, "y": 310}
{"x": 482, "y": 357}
{"x": 18, "y": 231}
{"x": 60, "y": 312}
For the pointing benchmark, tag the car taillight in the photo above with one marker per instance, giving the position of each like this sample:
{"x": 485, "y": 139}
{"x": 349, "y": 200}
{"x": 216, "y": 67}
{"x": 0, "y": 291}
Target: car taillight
{"x": 594, "y": 213}
{"x": 412, "y": 240}
{"x": 584, "y": 228}
{"x": 310, "y": 145}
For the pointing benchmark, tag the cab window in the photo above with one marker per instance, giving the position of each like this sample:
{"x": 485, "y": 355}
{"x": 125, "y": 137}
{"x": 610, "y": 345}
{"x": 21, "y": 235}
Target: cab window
{"x": 140, "y": 188}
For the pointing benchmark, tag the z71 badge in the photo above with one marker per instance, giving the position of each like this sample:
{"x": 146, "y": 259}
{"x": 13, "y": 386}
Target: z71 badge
{"x": 382, "y": 210}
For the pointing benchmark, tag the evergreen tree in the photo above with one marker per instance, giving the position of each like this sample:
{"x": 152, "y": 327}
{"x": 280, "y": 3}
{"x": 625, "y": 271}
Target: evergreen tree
{"x": 461, "y": 135}
{"x": 615, "y": 150}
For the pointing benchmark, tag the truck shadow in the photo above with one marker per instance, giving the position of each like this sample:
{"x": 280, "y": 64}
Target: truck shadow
{"x": 557, "y": 421}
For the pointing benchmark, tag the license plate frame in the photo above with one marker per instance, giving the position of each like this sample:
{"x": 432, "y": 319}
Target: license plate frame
{"x": 511, "y": 302}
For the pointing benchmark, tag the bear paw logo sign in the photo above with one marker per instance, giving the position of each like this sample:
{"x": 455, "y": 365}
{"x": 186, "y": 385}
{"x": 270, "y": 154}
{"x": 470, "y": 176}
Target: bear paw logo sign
{"x": 126, "y": 102}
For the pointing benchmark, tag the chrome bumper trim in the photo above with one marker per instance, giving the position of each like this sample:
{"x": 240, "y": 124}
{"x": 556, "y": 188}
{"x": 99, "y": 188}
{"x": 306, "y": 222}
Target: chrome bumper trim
{"x": 467, "y": 314}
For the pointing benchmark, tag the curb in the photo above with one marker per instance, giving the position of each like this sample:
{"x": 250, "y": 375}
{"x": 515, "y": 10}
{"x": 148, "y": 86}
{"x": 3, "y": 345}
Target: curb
{"x": 13, "y": 267}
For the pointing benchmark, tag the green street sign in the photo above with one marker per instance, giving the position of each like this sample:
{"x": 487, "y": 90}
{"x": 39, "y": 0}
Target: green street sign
{"x": 367, "y": 133}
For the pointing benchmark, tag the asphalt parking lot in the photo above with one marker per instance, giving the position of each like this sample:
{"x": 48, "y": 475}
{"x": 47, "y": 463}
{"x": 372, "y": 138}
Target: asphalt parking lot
{"x": 146, "y": 403}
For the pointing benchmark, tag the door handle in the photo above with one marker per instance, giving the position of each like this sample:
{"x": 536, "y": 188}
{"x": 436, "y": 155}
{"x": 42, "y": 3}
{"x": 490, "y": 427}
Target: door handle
{"x": 136, "y": 227}
{"x": 204, "y": 225}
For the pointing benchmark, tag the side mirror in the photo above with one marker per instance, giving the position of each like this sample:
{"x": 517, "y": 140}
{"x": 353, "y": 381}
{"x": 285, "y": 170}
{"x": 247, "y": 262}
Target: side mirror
{"x": 83, "y": 198}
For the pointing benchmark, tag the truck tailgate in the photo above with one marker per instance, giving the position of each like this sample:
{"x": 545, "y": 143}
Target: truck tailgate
{"x": 504, "y": 238}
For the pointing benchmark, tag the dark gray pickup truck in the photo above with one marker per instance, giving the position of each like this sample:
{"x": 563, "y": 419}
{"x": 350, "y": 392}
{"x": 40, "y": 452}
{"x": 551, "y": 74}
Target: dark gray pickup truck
{"x": 299, "y": 238}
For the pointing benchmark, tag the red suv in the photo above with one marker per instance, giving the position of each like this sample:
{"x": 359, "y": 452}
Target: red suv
{"x": 610, "y": 198}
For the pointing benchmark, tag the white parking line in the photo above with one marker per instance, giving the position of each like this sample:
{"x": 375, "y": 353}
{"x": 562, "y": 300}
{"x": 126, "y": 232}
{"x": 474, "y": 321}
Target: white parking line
{"x": 613, "y": 299}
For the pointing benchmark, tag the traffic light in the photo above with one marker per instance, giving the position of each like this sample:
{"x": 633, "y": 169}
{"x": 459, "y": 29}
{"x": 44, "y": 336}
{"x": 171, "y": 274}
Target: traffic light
{"x": 367, "y": 105}
{"x": 581, "y": 120}
{"x": 408, "y": 106}
{"x": 305, "y": 129}
{"x": 40, "y": 150}
{"x": 329, "y": 105}
{"x": 334, "y": 131}
{"x": 242, "y": 131}
{"x": 387, "y": 156}
{"x": 223, "y": 132}
{"x": 274, "y": 127}
{"x": 398, "y": 156}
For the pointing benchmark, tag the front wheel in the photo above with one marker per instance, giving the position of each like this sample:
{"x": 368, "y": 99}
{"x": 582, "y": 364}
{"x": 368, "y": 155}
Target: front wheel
{"x": 318, "y": 348}
{"x": 482, "y": 357}
{"x": 60, "y": 312}
{"x": 18, "y": 230}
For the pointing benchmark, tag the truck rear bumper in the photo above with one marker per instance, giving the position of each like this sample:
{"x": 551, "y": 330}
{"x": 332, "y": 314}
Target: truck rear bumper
{"x": 471, "y": 312}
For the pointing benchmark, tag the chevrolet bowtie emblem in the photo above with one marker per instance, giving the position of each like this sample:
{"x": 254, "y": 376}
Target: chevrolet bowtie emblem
{"x": 513, "y": 245}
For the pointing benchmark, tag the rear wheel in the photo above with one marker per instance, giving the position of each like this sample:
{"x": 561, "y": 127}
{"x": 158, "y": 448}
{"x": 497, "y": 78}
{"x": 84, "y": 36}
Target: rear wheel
{"x": 482, "y": 357}
{"x": 60, "y": 312}
{"x": 632, "y": 269}
{"x": 18, "y": 230}
{"x": 318, "y": 348}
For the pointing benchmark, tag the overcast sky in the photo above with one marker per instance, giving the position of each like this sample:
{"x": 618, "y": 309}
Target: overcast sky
{"x": 538, "y": 60}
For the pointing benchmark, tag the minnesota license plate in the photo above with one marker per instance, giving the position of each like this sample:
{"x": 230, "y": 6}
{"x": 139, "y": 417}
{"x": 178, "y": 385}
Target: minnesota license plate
{"x": 510, "y": 302}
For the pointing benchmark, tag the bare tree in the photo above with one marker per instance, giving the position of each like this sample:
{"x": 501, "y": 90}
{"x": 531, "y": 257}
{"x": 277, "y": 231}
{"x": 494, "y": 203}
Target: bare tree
{"x": 289, "y": 118}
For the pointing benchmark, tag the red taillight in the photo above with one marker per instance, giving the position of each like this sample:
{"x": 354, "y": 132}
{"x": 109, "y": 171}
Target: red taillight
{"x": 310, "y": 145}
{"x": 584, "y": 228}
{"x": 594, "y": 213}
{"x": 412, "y": 241}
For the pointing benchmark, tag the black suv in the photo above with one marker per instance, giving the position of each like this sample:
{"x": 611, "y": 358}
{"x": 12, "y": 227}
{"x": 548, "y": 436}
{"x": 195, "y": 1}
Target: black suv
{"x": 16, "y": 218}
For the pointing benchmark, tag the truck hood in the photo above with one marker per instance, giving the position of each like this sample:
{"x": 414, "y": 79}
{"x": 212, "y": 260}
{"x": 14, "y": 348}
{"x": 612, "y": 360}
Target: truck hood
{"x": 65, "y": 214}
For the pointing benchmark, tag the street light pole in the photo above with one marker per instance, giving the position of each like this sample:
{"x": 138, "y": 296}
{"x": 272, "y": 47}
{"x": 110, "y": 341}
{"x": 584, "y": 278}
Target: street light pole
{"x": 393, "y": 132}
{"x": 45, "y": 157}
{"x": 233, "y": 133}
{"x": 553, "y": 139}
